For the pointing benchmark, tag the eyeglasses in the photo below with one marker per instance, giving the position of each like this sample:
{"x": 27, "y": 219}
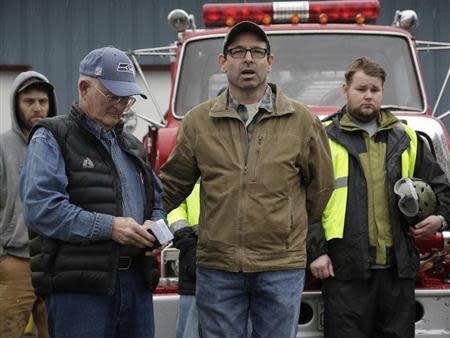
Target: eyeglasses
{"x": 241, "y": 52}
{"x": 113, "y": 99}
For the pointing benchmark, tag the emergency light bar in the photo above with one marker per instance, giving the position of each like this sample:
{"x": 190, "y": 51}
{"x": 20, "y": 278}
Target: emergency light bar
{"x": 358, "y": 11}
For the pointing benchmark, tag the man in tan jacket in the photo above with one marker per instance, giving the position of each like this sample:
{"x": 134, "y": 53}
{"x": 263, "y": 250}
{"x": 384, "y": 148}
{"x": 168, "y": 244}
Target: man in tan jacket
{"x": 266, "y": 172}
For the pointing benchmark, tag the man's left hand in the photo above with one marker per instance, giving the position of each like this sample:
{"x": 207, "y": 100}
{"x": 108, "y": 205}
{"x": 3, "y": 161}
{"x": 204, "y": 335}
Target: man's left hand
{"x": 426, "y": 227}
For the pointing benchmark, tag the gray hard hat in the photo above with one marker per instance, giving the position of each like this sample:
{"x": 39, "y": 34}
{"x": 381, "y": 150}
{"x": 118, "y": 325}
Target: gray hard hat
{"x": 417, "y": 199}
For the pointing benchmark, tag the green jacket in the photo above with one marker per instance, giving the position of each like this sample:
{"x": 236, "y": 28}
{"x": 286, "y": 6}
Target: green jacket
{"x": 333, "y": 218}
{"x": 351, "y": 255}
{"x": 257, "y": 196}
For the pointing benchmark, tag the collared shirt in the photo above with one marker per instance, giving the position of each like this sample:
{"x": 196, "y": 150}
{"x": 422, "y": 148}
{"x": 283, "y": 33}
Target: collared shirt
{"x": 47, "y": 205}
{"x": 265, "y": 105}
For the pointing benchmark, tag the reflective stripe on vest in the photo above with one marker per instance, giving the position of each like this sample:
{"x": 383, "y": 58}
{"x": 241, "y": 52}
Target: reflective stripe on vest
{"x": 409, "y": 157}
{"x": 333, "y": 217}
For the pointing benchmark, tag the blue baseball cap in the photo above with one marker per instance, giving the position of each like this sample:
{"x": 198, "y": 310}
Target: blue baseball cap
{"x": 114, "y": 69}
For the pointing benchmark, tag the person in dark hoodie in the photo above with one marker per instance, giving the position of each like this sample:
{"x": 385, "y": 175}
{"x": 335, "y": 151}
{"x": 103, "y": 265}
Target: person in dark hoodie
{"x": 32, "y": 99}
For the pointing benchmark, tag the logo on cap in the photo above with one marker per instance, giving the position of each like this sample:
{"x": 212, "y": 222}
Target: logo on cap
{"x": 98, "y": 71}
{"x": 125, "y": 67}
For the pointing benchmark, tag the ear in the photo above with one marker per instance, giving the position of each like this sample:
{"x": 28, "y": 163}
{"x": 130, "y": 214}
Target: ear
{"x": 222, "y": 63}
{"x": 344, "y": 88}
{"x": 270, "y": 60}
{"x": 83, "y": 86}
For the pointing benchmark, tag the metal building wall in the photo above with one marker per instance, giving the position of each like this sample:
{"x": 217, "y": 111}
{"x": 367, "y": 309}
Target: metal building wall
{"x": 53, "y": 35}
{"x": 433, "y": 26}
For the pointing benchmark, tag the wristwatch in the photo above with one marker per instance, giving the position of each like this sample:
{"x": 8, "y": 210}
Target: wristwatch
{"x": 444, "y": 224}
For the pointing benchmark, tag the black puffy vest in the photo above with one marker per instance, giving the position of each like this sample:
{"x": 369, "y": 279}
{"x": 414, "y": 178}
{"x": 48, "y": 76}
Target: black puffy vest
{"x": 94, "y": 185}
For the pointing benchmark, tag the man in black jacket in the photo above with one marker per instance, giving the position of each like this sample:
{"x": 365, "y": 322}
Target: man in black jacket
{"x": 184, "y": 223}
{"x": 364, "y": 250}
{"x": 88, "y": 196}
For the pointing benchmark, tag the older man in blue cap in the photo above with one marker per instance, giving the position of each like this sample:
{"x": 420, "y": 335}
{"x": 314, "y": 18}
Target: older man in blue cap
{"x": 88, "y": 196}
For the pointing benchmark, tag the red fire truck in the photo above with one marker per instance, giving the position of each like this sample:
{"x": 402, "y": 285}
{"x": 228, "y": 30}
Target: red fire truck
{"x": 313, "y": 42}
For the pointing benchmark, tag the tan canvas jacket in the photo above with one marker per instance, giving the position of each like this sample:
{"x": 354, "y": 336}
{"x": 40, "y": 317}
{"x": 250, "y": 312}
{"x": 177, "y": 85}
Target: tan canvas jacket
{"x": 257, "y": 197}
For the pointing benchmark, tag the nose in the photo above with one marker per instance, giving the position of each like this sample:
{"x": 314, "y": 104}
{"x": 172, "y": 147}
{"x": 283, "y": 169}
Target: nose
{"x": 248, "y": 56}
{"x": 367, "y": 94}
{"x": 37, "y": 106}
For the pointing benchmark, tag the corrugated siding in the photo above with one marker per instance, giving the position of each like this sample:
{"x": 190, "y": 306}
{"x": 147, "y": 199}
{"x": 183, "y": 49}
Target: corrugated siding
{"x": 433, "y": 26}
{"x": 54, "y": 35}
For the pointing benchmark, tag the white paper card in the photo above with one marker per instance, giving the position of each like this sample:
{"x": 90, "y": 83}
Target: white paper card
{"x": 161, "y": 231}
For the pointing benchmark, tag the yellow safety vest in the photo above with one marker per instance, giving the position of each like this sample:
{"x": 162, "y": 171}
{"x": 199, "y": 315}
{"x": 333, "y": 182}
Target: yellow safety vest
{"x": 333, "y": 217}
{"x": 189, "y": 210}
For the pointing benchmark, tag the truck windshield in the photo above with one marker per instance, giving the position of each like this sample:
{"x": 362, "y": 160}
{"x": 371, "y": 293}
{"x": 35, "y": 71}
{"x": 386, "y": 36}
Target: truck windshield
{"x": 308, "y": 67}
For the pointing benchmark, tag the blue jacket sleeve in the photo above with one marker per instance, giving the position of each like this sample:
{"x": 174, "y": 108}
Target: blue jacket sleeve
{"x": 42, "y": 188}
{"x": 158, "y": 210}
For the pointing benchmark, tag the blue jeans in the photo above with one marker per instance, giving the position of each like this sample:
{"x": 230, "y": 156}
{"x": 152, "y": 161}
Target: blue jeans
{"x": 271, "y": 300}
{"x": 127, "y": 313}
{"x": 187, "y": 320}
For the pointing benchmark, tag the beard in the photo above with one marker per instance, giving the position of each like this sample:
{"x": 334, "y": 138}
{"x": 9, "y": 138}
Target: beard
{"x": 363, "y": 115}
{"x": 26, "y": 124}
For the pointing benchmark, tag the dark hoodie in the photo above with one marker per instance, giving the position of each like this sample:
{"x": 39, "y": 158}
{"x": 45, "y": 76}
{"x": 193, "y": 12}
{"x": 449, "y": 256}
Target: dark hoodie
{"x": 13, "y": 146}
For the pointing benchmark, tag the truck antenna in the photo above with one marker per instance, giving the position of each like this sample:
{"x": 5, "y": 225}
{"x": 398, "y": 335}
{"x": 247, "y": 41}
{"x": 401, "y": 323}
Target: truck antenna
{"x": 152, "y": 97}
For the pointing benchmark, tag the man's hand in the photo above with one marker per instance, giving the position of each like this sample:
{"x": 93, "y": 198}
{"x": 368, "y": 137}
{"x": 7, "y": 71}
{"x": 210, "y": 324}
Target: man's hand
{"x": 322, "y": 267}
{"x": 126, "y": 230}
{"x": 426, "y": 227}
{"x": 185, "y": 240}
{"x": 156, "y": 251}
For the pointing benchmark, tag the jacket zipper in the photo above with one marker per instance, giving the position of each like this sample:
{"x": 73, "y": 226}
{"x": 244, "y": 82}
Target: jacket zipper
{"x": 240, "y": 254}
{"x": 258, "y": 152}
